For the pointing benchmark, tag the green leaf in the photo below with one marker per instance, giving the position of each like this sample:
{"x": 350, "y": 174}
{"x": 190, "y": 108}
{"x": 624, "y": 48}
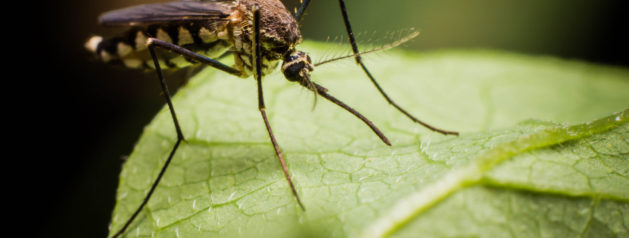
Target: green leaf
{"x": 541, "y": 154}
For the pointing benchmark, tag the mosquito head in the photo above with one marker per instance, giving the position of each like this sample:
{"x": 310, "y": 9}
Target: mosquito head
{"x": 297, "y": 67}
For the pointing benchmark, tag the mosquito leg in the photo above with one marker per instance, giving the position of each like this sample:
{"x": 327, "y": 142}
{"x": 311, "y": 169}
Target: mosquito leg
{"x": 150, "y": 193}
{"x": 192, "y": 55}
{"x": 152, "y": 43}
{"x": 214, "y": 63}
{"x": 352, "y": 41}
{"x": 258, "y": 75}
{"x": 180, "y": 138}
{"x": 300, "y": 12}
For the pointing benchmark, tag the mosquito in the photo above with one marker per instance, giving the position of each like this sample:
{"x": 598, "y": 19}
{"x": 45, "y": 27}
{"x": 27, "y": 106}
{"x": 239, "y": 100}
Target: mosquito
{"x": 258, "y": 33}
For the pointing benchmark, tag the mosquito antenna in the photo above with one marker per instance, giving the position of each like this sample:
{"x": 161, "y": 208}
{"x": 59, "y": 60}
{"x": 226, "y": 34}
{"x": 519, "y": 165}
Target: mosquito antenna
{"x": 385, "y": 47}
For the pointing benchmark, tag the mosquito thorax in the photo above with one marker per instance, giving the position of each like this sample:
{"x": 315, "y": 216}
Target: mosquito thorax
{"x": 279, "y": 34}
{"x": 297, "y": 66}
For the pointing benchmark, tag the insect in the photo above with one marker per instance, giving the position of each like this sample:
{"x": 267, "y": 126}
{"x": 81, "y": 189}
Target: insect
{"x": 258, "y": 33}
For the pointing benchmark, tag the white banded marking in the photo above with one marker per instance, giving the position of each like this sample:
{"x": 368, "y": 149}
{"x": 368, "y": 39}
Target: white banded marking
{"x": 140, "y": 41}
{"x": 106, "y": 57}
{"x": 93, "y": 42}
{"x": 123, "y": 49}
{"x": 162, "y": 35}
{"x": 132, "y": 63}
{"x": 185, "y": 37}
{"x": 207, "y": 36}
{"x": 223, "y": 35}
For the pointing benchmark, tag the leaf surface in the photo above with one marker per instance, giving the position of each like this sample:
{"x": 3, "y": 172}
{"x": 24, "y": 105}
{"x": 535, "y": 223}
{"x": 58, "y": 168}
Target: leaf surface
{"x": 541, "y": 153}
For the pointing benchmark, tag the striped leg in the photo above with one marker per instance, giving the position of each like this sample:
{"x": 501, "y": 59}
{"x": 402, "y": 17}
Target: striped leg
{"x": 352, "y": 41}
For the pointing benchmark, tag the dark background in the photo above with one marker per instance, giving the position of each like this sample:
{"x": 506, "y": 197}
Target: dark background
{"x": 90, "y": 114}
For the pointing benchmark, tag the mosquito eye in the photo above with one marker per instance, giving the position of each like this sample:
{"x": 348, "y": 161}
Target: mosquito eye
{"x": 292, "y": 70}
{"x": 291, "y": 58}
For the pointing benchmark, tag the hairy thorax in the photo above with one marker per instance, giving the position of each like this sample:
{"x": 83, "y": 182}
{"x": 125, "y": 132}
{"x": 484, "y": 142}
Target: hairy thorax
{"x": 279, "y": 34}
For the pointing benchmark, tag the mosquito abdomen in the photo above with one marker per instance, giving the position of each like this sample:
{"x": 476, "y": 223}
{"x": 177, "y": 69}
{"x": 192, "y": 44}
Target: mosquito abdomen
{"x": 130, "y": 49}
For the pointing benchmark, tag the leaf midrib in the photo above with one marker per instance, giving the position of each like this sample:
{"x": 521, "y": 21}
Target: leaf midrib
{"x": 474, "y": 172}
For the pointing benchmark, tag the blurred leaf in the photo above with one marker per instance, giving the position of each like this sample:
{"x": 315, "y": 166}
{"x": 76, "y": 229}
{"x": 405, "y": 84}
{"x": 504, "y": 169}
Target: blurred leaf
{"x": 506, "y": 175}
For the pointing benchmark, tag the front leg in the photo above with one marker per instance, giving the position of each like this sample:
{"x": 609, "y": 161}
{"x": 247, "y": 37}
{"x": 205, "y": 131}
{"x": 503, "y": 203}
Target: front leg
{"x": 352, "y": 41}
{"x": 257, "y": 58}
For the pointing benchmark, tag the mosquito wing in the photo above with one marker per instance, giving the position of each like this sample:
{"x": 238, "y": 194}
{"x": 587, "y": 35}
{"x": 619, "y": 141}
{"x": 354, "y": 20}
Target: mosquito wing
{"x": 187, "y": 10}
